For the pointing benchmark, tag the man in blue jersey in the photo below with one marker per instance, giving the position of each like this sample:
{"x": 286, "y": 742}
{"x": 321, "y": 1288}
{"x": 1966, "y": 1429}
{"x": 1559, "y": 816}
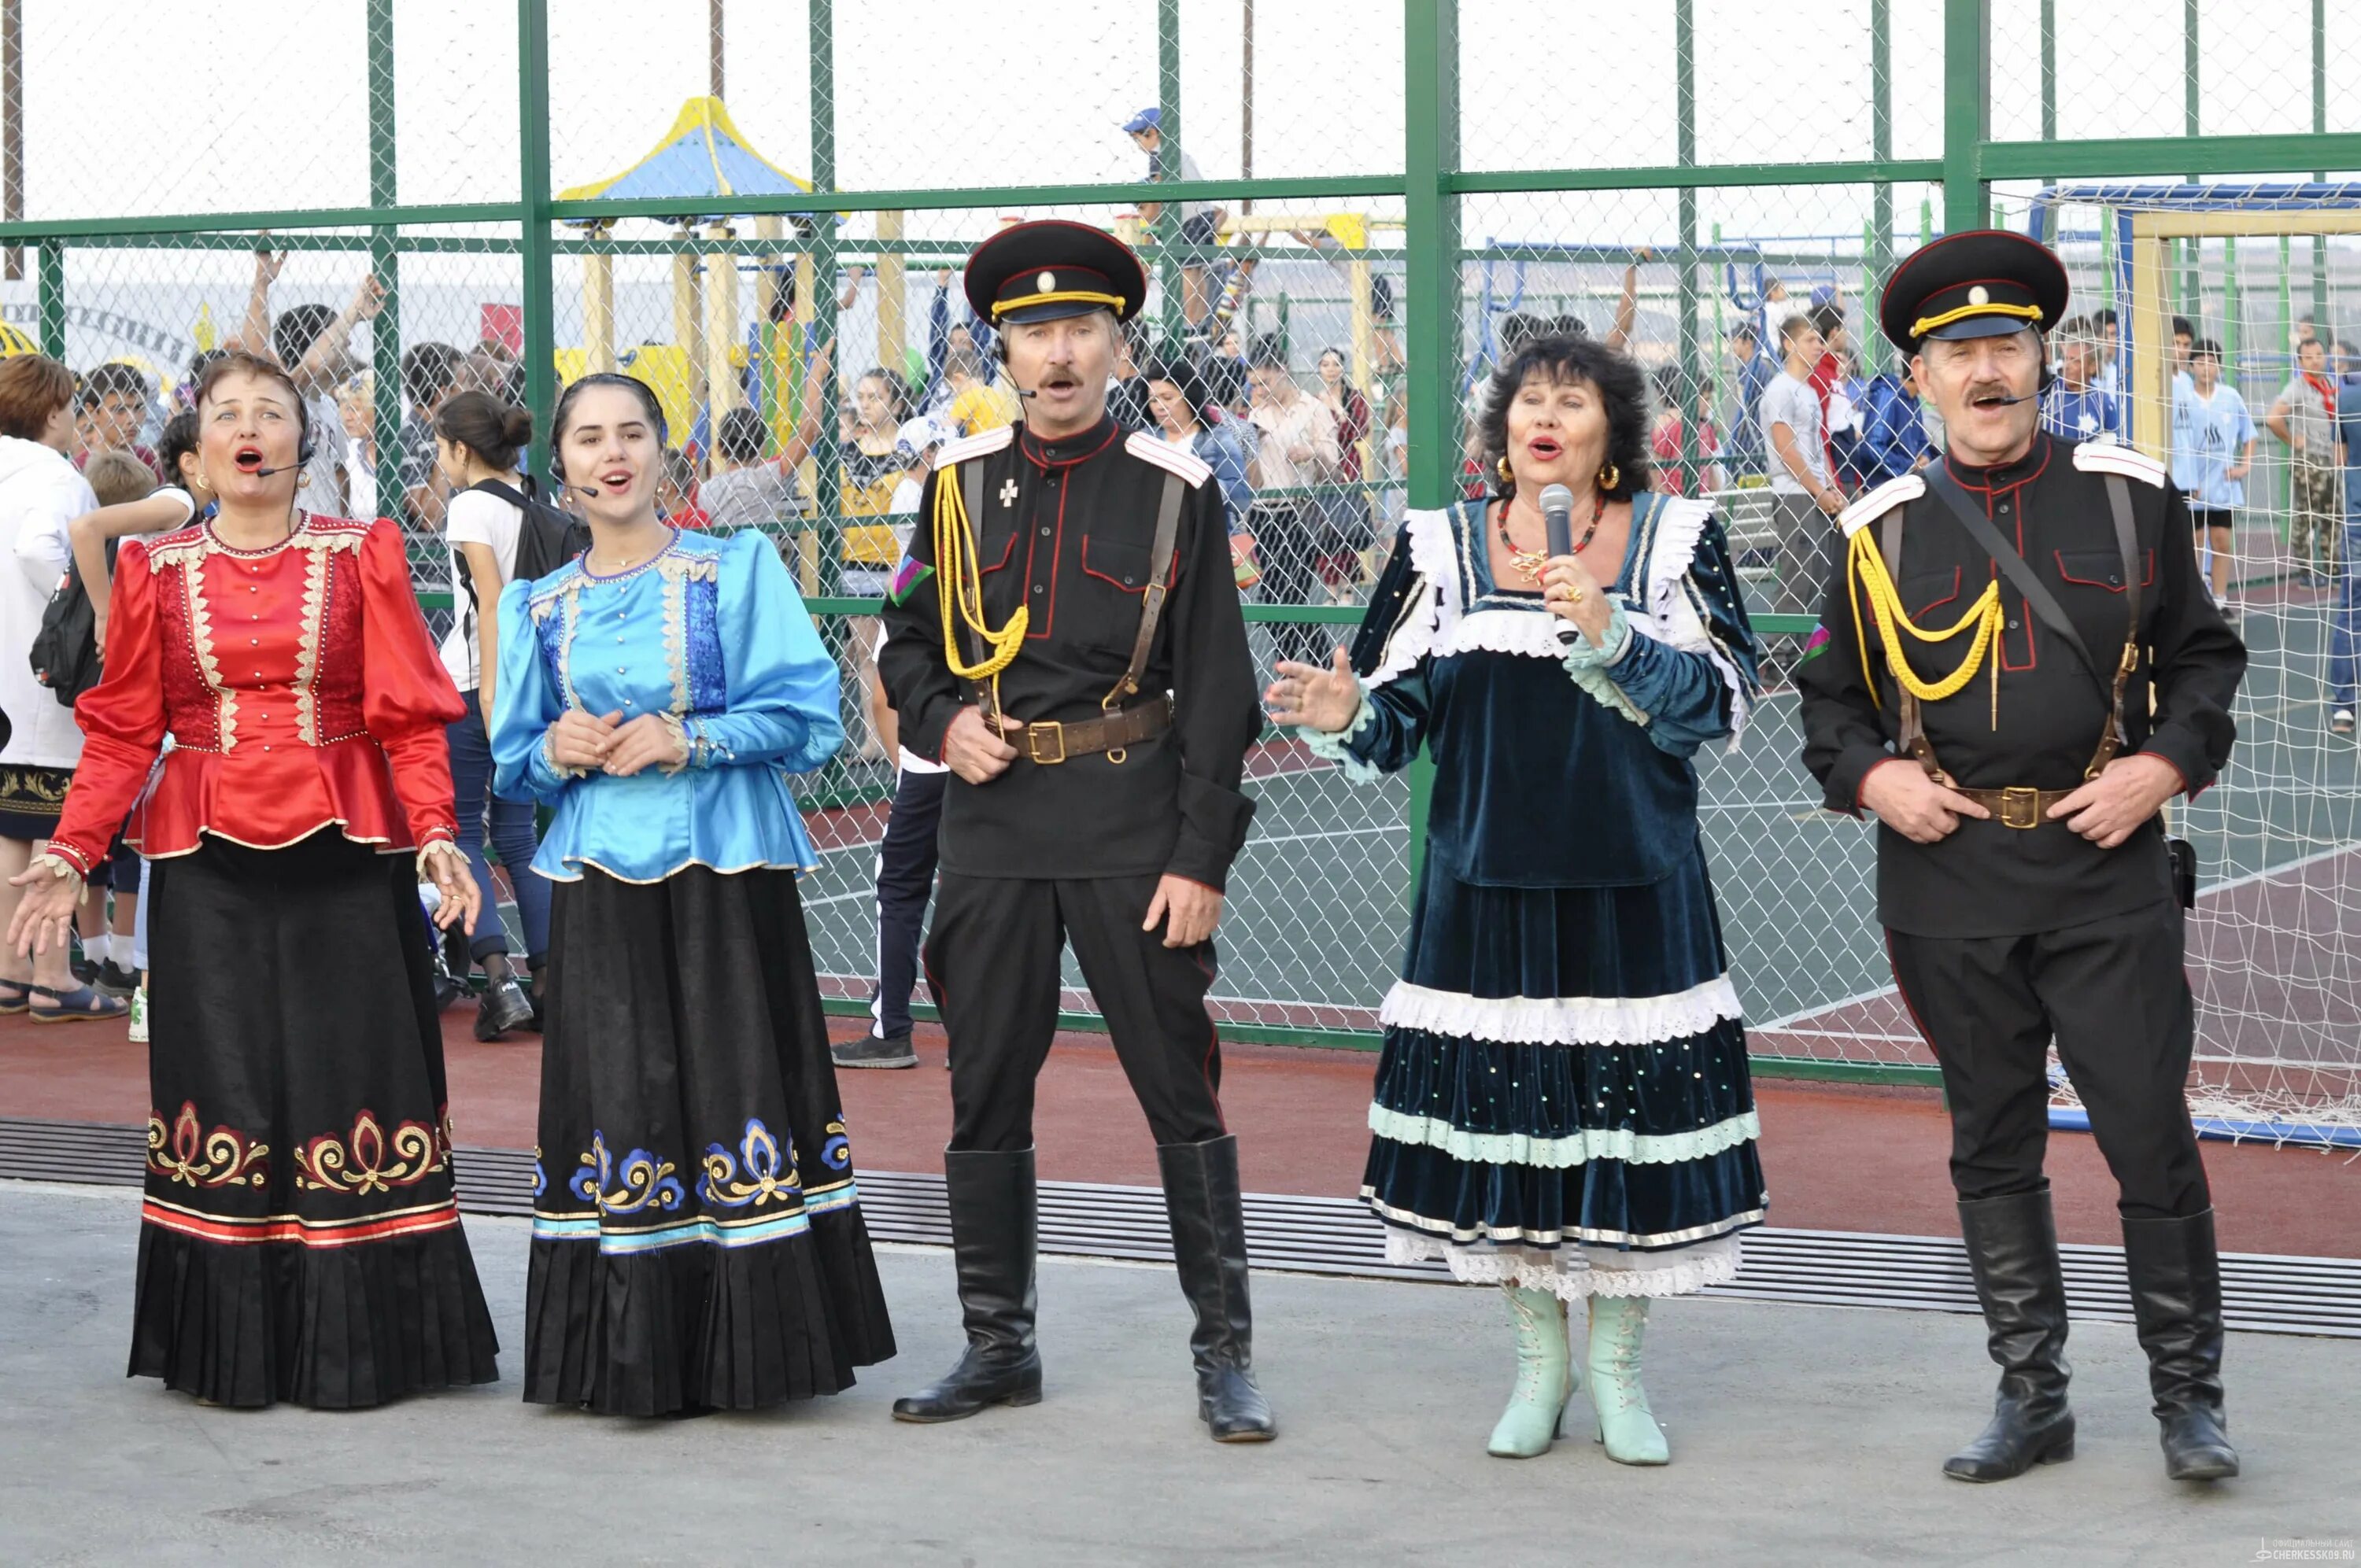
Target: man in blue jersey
{"x": 2076, "y": 408}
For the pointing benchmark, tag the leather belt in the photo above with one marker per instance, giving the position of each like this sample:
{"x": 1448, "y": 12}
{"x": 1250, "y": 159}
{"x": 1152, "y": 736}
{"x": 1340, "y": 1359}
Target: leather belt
{"x": 2016, "y": 806}
{"x": 1051, "y": 741}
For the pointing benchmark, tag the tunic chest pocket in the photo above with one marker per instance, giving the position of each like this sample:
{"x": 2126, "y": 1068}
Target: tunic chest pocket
{"x": 1927, "y": 591}
{"x": 2101, "y": 569}
{"x": 1119, "y": 570}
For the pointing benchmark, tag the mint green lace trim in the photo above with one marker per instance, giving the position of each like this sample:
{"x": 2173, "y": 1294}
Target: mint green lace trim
{"x": 1589, "y": 667}
{"x": 1332, "y": 746}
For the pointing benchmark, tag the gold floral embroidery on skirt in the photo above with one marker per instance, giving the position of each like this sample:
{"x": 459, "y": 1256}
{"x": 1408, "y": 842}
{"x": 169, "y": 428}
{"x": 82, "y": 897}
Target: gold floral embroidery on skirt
{"x": 187, "y": 1154}
{"x": 370, "y": 1160}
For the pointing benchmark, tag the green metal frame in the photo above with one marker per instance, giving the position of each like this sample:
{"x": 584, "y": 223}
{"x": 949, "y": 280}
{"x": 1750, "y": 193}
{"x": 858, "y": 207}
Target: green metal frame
{"x": 1430, "y": 183}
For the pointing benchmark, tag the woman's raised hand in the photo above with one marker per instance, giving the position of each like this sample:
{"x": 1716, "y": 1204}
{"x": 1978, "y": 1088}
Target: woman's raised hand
{"x": 1314, "y": 699}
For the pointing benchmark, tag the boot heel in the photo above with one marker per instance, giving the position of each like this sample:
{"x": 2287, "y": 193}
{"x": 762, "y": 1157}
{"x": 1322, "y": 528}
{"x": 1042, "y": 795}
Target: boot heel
{"x": 1023, "y": 1397}
{"x": 2059, "y": 1453}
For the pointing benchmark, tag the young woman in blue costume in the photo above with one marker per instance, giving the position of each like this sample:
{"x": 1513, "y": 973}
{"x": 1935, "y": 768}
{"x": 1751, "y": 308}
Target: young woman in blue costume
{"x": 1563, "y": 1106}
{"x": 697, "y": 1244}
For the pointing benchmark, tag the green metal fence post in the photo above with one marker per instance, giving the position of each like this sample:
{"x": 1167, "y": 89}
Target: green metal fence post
{"x": 2320, "y": 127}
{"x": 1431, "y": 287}
{"x": 385, "y": 265}
{"x": 538, "y": 302}
{"x": 50, "y": 263}
{"x": 1967, "y": 111}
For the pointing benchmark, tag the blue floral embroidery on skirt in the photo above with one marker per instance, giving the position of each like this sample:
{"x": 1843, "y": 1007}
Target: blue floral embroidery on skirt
{"x": 761, "y": 1169}
{"x": 646, "y": 1180}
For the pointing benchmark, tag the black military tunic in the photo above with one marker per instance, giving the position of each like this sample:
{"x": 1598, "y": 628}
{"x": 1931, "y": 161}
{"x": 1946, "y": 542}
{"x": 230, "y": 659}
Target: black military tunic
{"x": 2005, "y": 939}
{"x": 1987, "y": 878}
{"x": 1049, "y": 852}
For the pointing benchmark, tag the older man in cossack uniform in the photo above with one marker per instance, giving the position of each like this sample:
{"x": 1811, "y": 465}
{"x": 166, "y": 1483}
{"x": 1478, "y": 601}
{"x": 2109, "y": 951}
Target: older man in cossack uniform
{"x": 2017, "y": 666}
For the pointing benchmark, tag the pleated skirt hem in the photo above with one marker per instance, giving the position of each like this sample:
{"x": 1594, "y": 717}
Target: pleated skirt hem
{"x": 703, "y": 1327}
{"x": 249, "y": 1324}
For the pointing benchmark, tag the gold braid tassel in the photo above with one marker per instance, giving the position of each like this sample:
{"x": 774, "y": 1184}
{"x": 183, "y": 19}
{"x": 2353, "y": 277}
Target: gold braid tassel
{"x": 960, "y": 591}
{"x": 1868, "y": 572}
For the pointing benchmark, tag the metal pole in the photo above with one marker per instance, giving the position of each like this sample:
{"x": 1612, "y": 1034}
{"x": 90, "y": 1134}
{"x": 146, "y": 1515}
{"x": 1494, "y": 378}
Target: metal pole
{"x": 1684, "y": 132}
{"x": 717, "y": 51}
{"x": 1246, "y": 96}
{"x": 2049, "y": 70}
{"x": 1430, "y": 289}
{"x": 1168, "y": 165}
{"x": 1880, "y": 251}
{"x": 827, "y": 487}
{"x": 50, "y": 257}
{"x": 385, "y": 264}
{"x": 2320, "y": 127}
{"x": 1967, "y": 111}
{"x": 538, "y": 301}
{"x": 12, "y": 126}
{"x": 2192, "y": 281}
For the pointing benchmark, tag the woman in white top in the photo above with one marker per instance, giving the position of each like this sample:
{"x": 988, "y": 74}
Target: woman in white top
{"x": 356, "y": 412}
{"x": 40, "y": 494}
{"x": 477, "y": 439}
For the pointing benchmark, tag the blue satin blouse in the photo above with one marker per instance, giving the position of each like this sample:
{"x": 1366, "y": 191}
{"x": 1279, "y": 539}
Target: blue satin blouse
{"x": 710, "y": 630}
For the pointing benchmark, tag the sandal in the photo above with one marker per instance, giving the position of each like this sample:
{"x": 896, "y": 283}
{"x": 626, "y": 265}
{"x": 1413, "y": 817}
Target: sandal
{"x": 76, "y": 1006}
{"x": 16, "y": 996}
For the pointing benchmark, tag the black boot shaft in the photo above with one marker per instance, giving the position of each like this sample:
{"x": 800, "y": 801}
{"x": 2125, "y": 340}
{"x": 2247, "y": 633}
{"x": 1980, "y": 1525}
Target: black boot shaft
{"x": 993, "y": 1210}
{"x": 1209, "y": 1249}
{"x": 2175, "y": 1273}
{"x": 2012, "y": 1243}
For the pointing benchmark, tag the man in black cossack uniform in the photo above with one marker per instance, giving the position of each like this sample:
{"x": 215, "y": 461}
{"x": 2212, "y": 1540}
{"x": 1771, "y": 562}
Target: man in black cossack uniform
{"x": 1065, "y": 635}
{"x": 2017, "y": 666}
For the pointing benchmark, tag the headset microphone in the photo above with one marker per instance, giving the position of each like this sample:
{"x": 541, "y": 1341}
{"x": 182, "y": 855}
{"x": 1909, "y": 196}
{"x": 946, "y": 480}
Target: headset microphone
{"x": 282, "y": 468}
{"x": 2009, "y": 402}
{"x": 1557, "y": 526}
{"x": 1028, "y": 392}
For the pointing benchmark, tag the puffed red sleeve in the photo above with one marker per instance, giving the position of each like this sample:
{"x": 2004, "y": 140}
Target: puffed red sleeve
{"x": 122, "y": 718}
{"x": 407, "y": 695}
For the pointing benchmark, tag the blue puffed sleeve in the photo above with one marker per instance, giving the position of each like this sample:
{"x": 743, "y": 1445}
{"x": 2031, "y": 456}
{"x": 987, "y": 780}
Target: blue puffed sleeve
{"x": 1691, "y": 697}
{"x": 528, "y": 702}
{"x": 782, "y": 685}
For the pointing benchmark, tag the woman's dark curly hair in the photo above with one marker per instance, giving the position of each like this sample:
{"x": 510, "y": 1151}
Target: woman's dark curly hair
{"x": 1557, "y": 358}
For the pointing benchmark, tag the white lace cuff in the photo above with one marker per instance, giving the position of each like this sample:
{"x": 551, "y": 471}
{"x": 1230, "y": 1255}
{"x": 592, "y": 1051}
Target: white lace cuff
{"x": 438, "y": 847}
{"x": 58, "y": 865}
{"x": 683, "y": 749}
{"x": 1331, "y": 746}
{"x": 549, "y": 757}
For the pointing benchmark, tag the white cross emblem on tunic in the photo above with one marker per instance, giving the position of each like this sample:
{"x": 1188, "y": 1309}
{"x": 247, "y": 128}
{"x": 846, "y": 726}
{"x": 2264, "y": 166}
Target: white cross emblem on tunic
{"x": 1008, "y": 494}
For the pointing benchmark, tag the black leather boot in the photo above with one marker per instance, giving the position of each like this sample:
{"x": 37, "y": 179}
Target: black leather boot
{"x": 2176, "y": 1279}
{"x": 2012, "y": 1247}
{"x": 1209, "y": 1247}
{"x": 993, "y": 1237}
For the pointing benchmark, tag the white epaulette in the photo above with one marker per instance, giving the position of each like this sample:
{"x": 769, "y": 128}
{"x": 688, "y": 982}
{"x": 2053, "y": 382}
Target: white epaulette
{"x": 975, "y": 446}
{"x": 2112, "y": 457}
{"x": 1164, "y": 455}
{"x": 1868, "y": 508}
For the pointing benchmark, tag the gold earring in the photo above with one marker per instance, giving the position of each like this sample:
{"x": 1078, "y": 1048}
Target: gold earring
{"x": 1507, "y": 474}
{"x": 1608, "y": 477}
{"x": 203, "y": 483}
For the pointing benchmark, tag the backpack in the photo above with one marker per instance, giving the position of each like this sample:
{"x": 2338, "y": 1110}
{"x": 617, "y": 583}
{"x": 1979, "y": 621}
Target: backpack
{"x": 65, "y": 650}
{"x": 548, "y": 538}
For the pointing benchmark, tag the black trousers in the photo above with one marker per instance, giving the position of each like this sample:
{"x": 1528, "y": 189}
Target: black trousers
{"x": 2114, "y": 997}
{"x": 905, "y": 880}
{"x": 1286, "y": 541}
{"x": 992, "y": 960}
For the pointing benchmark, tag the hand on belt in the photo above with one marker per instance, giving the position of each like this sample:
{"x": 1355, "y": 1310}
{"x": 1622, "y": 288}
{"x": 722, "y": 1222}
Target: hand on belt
{"x": 1051, "y": 741}
{"x": 2017, "y": 806}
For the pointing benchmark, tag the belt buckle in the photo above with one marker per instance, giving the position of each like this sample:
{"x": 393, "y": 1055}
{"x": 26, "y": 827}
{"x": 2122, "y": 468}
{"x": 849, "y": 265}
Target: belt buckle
{"x": 1055, "y": 731}
{"x": 2020, "y": 806}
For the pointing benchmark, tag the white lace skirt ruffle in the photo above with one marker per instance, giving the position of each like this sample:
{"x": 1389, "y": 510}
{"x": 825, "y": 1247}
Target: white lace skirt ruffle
{"x": 1574, "y": 1272}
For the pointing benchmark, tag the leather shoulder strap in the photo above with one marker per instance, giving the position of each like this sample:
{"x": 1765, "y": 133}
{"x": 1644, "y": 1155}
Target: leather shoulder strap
{"x": 1913, "y": 736}
{"x": 1162, "y": 560}
{"x": 2117, "y": 737}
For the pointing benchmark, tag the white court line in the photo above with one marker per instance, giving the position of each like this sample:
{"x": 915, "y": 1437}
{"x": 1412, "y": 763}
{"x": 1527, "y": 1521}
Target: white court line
{"x": 1818, "y": 1008}
{"x": 2295, "y": 865}
{"x": 1333, "y": 833}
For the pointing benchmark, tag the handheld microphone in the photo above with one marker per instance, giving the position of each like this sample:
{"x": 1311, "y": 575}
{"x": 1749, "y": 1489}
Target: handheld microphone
{"x": 1557, "y": 526}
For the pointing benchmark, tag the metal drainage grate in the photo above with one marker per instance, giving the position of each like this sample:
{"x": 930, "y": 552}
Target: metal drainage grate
{"x": 1336, "y": 1235}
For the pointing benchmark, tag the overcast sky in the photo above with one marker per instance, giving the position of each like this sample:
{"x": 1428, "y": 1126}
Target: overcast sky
{"x": 142, "y": 106}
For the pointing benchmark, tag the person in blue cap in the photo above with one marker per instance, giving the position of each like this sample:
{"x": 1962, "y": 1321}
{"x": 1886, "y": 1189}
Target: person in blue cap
{"x": 1200, "y": 221}
{"x": 2016, "y": 667}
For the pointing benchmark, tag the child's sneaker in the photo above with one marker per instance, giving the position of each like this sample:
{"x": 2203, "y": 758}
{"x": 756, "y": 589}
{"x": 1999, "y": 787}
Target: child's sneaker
{"x": 139, "y": 1016}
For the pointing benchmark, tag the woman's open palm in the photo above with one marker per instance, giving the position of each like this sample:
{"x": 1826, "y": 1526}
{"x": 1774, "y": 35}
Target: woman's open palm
{"x": 1312, "y": 697}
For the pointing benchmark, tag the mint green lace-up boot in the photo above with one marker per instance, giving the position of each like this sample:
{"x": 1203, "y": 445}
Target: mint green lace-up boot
{"x": 1545, "y": 1377}
{"x": 1626, "y": 1425}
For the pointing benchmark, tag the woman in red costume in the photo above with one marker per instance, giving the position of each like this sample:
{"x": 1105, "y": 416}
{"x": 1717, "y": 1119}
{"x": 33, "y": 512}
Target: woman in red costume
{"x": 300, "y": 1240}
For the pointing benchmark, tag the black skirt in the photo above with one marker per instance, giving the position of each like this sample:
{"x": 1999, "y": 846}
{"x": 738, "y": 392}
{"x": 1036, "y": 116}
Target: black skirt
{"x": 696, "y": 1242}
{"x": 299, "y": 1238}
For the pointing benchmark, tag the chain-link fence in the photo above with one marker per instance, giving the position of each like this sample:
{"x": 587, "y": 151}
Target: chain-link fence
{"x": 762, "y": 210}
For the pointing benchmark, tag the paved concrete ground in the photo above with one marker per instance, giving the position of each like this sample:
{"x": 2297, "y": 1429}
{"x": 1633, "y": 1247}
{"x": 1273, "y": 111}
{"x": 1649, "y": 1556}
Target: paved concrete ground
{"x": 1800, "y": 1435}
